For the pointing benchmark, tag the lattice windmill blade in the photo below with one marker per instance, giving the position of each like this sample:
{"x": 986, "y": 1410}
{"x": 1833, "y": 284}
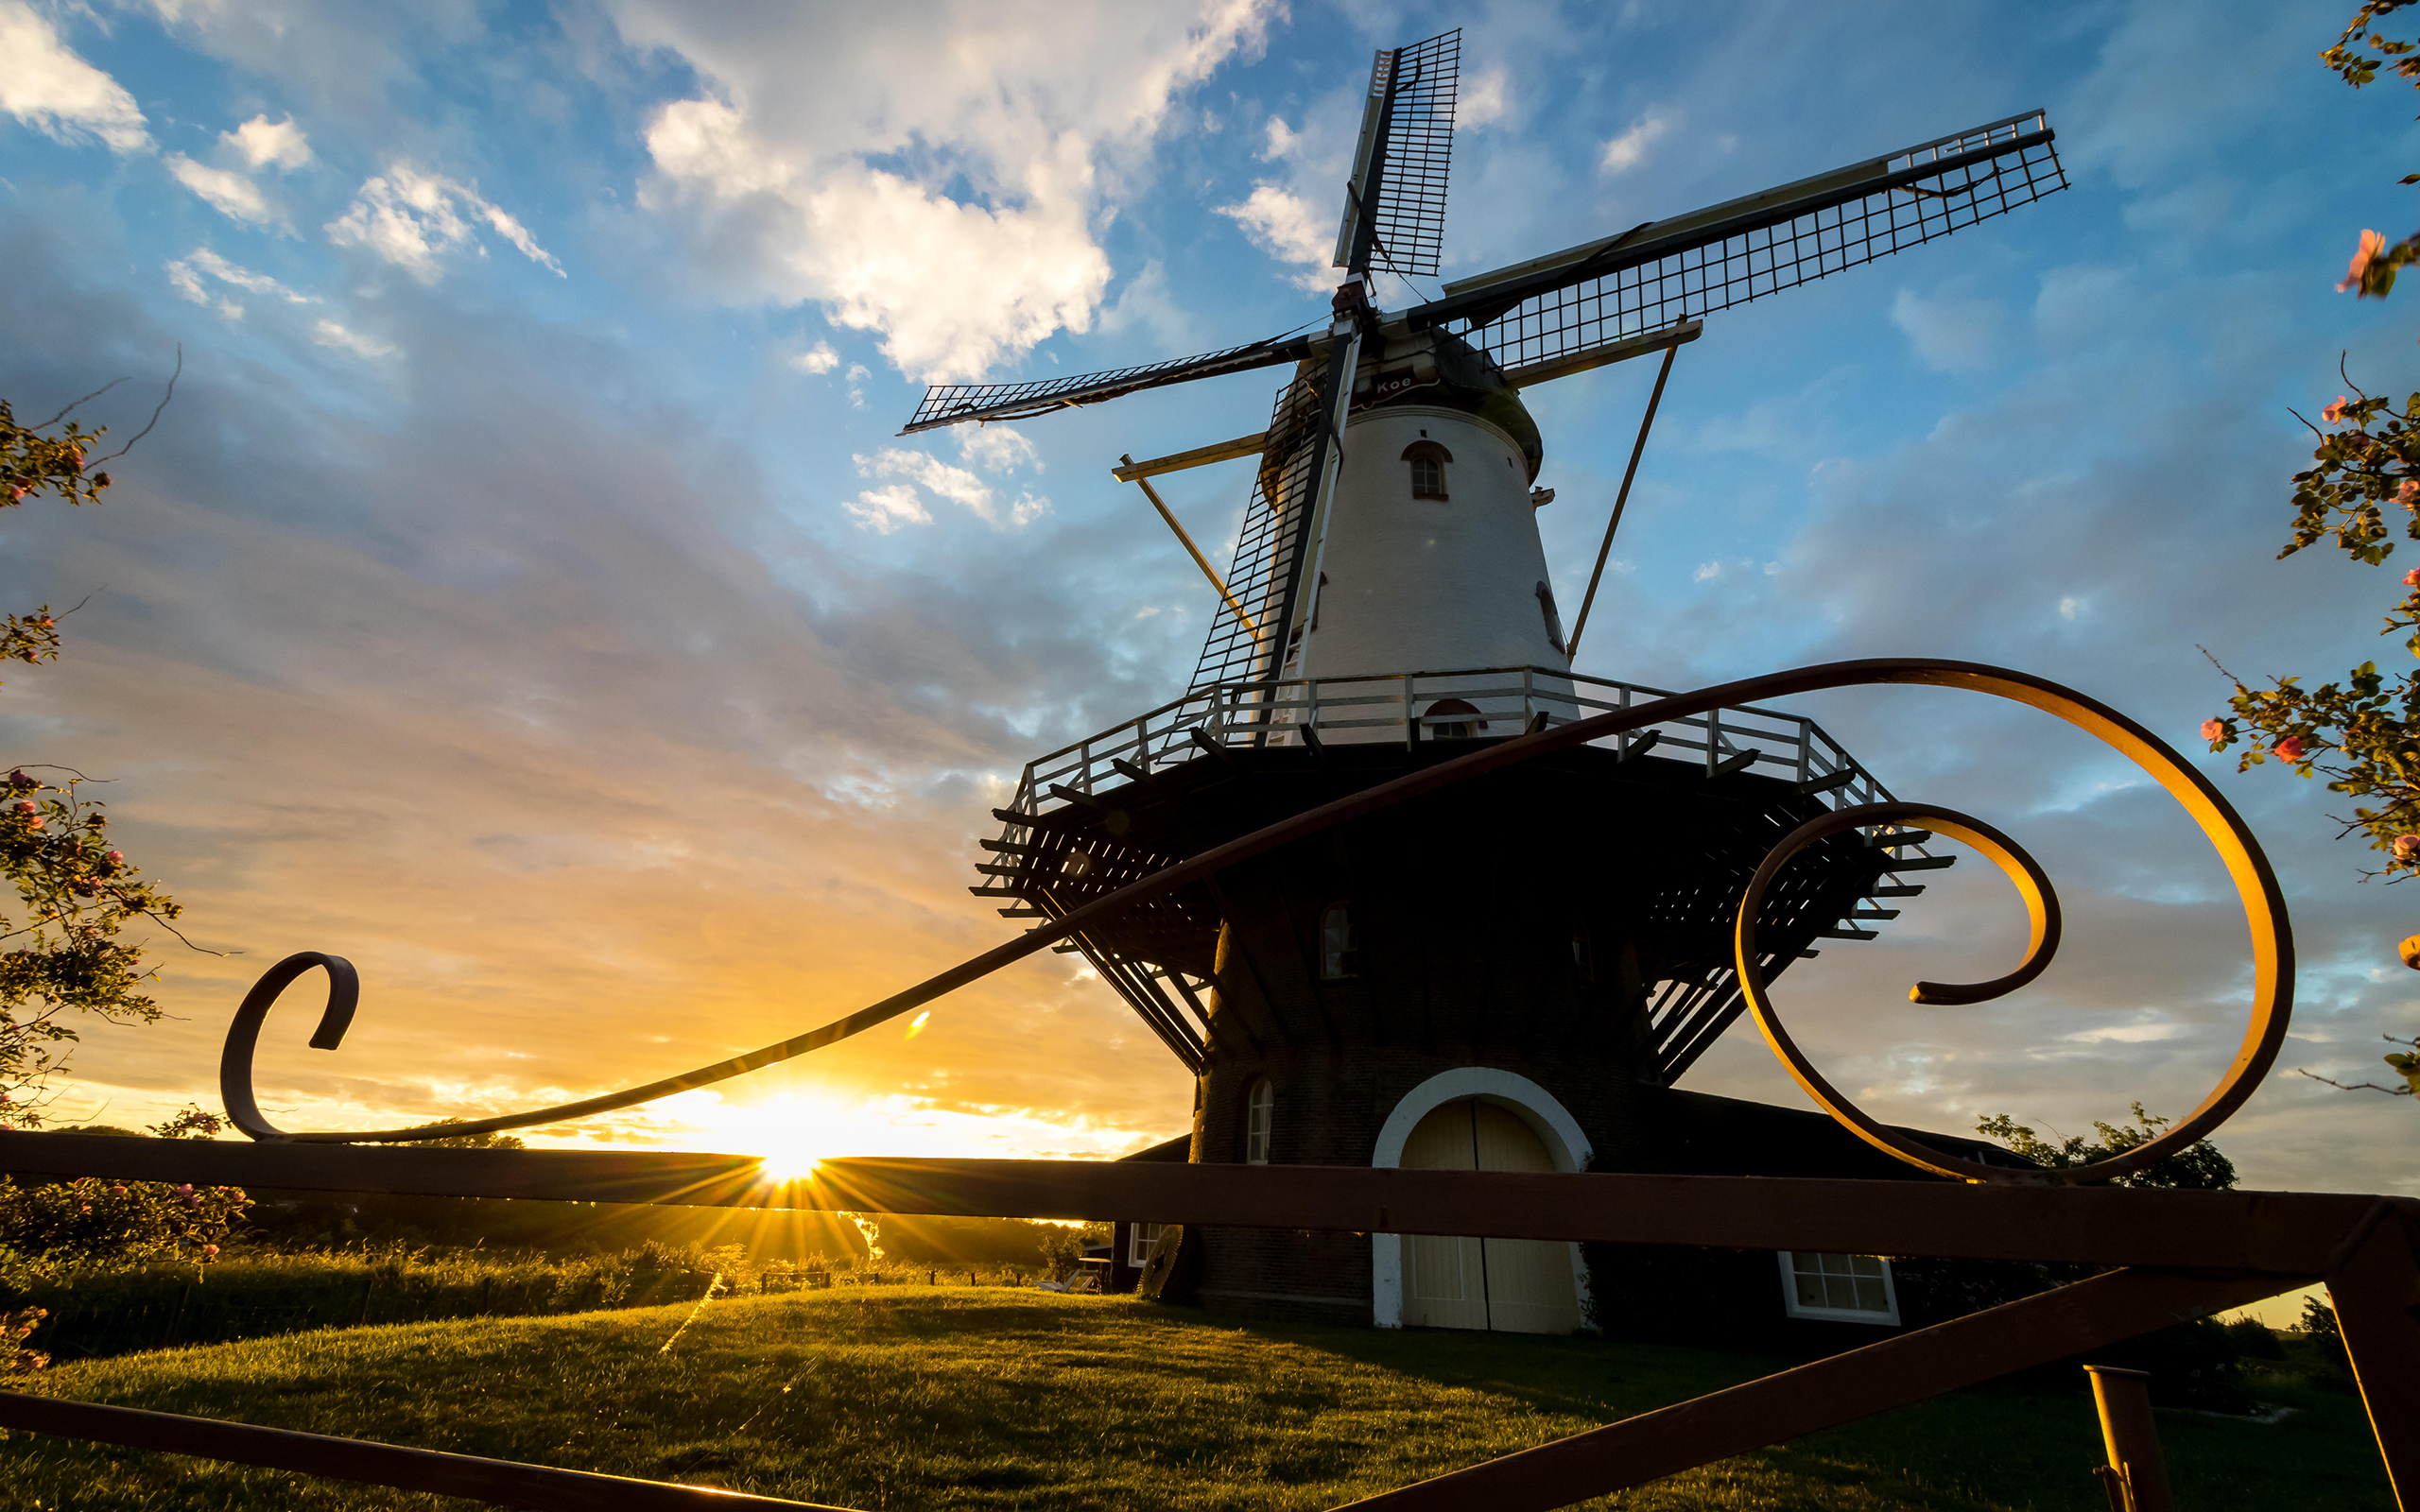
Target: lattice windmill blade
{"x": 1545, "y": 318}
{"x": 1394, "y": 206}
{"x": 954, "y": 403}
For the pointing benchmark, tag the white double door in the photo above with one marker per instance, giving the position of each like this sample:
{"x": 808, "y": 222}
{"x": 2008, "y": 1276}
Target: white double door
{"x": 1511, "y": 1285}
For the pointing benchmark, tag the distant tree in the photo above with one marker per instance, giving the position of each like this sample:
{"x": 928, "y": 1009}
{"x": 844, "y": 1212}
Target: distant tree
{"x": 475, "y": 1141}
{"x": 2199, "y": 1166}
{"x": 61, "y": 953}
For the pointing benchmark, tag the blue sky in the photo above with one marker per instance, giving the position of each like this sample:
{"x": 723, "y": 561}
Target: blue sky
{"x": 527, "y": 596}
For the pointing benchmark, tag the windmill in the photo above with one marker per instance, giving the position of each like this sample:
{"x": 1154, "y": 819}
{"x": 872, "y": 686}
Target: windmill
{"x": 1512, "y": 973}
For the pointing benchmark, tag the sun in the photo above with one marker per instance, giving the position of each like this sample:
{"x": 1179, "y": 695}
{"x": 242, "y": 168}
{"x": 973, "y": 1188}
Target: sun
{"x": 789, "y": 1132}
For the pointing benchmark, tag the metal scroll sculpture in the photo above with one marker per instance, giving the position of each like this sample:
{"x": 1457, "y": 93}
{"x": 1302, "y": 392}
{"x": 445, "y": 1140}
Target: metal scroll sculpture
{"x": 2272, "y": 947}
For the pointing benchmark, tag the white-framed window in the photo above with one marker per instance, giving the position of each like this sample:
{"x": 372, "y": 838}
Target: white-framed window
{"x": 1841, "y": 1288}
{"x": 1259, "y": 1109}
{"x": 1142, "y": 1239}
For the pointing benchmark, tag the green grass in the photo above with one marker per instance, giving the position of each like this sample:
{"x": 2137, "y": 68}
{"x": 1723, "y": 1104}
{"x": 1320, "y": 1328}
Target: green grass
{"x": 886, "y": 1398}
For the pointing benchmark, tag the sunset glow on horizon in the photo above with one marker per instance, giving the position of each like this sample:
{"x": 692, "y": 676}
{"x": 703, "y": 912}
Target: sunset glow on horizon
{"x": 528, "y": 597}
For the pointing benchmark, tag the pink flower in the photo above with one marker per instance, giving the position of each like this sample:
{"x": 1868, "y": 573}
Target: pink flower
{"x": 2411, "y": 578}
{"x": 2336, "y": 411}
{"x": 2404, "y": 845}
{"x": 209, "y": 1249}
{"x": 186, "y": 1191}
{"x": 2407, "y": 493}
{"x": 117, "y": 1192}
{"x": 26, "y": 805}
{"x": 2290, "y": 748}
{"x": 117, "y": 858}
{"x": 2372, "y": 244}
{"x": 2212, "y": 729}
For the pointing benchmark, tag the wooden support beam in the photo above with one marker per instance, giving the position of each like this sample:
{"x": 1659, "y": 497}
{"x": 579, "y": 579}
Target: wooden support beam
{"x": 1739, "y": 762}
{"x": 1198, "y": 561}
{"x": 1666, "y": 339}
{"x": 1133, "y": 471}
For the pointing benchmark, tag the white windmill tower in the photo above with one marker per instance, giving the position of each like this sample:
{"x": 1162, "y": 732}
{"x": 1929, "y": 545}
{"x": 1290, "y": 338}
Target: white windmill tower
{"x": 1457, "y": 979}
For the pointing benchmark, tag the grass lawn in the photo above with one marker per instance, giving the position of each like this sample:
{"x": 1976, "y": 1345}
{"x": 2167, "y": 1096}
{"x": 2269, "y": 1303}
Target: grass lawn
{"x": 897, "y": 1397}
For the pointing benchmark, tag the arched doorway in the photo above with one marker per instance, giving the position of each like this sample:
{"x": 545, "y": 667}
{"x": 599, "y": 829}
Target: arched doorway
{"x": 1479, "y": 1118}
{"x": 1510, "y": 1285}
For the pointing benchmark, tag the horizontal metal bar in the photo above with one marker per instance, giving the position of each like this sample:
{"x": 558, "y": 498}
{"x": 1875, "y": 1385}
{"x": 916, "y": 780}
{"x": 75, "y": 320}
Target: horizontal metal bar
{"x": 2284, "y": 1232}
{"x": 496, "y": 1481}
{"x": 1967, "y": 1351}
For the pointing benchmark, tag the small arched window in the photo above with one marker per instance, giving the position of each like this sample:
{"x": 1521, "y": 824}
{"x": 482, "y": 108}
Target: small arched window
{"x": 1259, "y": 1106}
{"x": 1428, "y": 461}
{"x": 1453, "y": 719}
{"x": 1339, "y": 943}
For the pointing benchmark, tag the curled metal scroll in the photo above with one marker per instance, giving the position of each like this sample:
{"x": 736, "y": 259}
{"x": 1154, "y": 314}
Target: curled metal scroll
{"x": 2255, "y": 884}
{"x": 2272, "y": 940}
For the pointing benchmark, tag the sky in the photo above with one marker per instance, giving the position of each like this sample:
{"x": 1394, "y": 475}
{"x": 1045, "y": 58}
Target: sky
{"x": 527, "y": 594}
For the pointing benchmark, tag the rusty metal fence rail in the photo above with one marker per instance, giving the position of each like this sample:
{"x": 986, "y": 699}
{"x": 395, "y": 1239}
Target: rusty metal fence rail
{"x": 2174, "y": 1255}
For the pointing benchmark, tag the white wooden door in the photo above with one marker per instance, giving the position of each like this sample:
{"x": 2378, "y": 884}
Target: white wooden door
{"x": 1443, "y": 1286}
{"x": 1511, "y": 1285}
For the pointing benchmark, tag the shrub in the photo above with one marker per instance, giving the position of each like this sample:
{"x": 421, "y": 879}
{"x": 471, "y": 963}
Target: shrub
{"x": 97, "y": 1222}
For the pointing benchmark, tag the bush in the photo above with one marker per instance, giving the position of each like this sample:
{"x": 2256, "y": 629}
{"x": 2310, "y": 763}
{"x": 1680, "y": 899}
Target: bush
{"x": 95, "y": 1222}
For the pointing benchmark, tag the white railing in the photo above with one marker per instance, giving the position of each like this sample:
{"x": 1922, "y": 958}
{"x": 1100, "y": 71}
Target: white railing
{"x": 1399, "y": 708}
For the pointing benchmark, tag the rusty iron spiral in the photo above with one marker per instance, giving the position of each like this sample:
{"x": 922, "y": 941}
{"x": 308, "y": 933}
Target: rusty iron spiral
{"x": 2273, "y": 949}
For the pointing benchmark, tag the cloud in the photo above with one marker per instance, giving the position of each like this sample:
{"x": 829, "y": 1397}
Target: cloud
{"x": 1483, "y": 100}
{"x": 997, "y": 448}
{"x": 1951, "y": 334}
{"x": 329, "y": 333}
{"x": 1284, "y": 141}
{"x": 1629, "y": 149}
{"x": 229, "y": 193}
{"x": 46, "y": 85}
{"x": 880, "y": 203}
{"x": 182, "y": 278}
{"x": 1286, "y": 225}
{"x": 187, "y": 273}
{"x": 954, "y": 484}
{"x": 267, "y": 144}
{"x": 818, "y": 358}
{"x": 884, "y": 511}
{"x": 409, "y": 218}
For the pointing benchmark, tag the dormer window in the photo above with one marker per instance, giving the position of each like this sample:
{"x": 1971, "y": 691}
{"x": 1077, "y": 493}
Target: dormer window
{"x": 1428, "y": 461}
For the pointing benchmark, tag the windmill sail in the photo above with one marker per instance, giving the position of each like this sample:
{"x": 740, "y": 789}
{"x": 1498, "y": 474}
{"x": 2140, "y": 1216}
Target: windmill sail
{"x": 1548, "y": 312}
{"x": 955, "y": 403}
{"x": 1395, "y": 207}
{"x": 1267, "y": 574}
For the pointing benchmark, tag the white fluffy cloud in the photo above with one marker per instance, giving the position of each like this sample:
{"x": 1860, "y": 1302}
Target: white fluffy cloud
{"x": 329, "y": 333}
{"x": 1483, "y": 100}
{"x": 1629, "y": 149}
{"x": 958, "y": 217}
{"x": 186, "y": 275}
{"x": 1289, "y": 228}
{"x": 991, "y": 448}
{"x": 410, "y": 218}
{"x": 46, "y": 86}
{"x": 818, "y": 358}
{"x": 884, "y": 511}
{"x": 224, "y": 190}
{"x": 270, "y": 144}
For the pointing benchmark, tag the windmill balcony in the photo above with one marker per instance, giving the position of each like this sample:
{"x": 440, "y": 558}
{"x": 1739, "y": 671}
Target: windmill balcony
{"x": 1413, "y": 708}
